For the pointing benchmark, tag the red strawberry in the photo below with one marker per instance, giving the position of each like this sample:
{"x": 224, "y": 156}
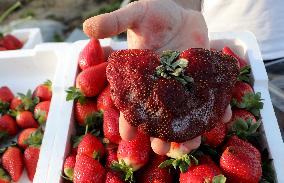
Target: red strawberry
{"x": 113, "y": 177}
{"x": 41, "y": 111}
{"x": 30, "y": 136}
{"x": 8, "y": 126}
{"x": 111, "y": 157}
{"x": 44, "y": 91}
{"x": 88, "y": 170}
{"x": 24, "y": 102}
{"x": 104, "y": 100}
{"x": 6, "y": 97}
{"x": 241, "y": 62}
{"x": 15, "y": 103}
{"x": 152, "y": 173}
{"x": 12, "y": 162}
{"x": 31, "y": 156}
{"x": 240, "y": 114}
{"x": 3, "y": 48}
{"x": 205, "y": 171}
{"x": 89, "y": 83}
{"x": 240, "y": 90}
{"x": 92, "y": 54}
{"x": 215, "y": 136}
{"x": 11, "y": 42}
{"x": 136, "y": 152}
{"x": 69, "y": 165}
{"x": 4, "y": 178}
{"x": 241, "y": 164}
{"x": 91, "y": 146}
{"x": 110, "y": 125}
{"x": 85, "y": 113}
{"x": 25, "y": 119}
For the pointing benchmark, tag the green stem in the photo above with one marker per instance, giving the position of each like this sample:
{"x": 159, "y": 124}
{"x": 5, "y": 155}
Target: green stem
{"x": 86, "y": 130}
{"x": 9, "y": 11}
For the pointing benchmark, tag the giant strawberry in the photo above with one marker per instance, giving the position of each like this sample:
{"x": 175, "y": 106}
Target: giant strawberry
{"x": 176, "y": 97}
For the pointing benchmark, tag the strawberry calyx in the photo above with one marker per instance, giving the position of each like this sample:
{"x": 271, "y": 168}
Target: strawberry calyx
{"x": 48, "y": 84}
{"x": 245, "y": 129}
{"x": 74, "y": 93}
{"x": 217, "y": 179}
{"x": 126, "y": 171}
{"x": 4, "y": 175}
{"x": 1, "y": 35}
{"x": 183, "y": 162}
{"x": 94, "y": 119}
{"x": 244, "y": 74}
{"x": 28, "y": 102}
{"x": 35, "y": 138}
{"x": 4, "y": 107}
{"x": 96, "y": 155}
{"x": 69, "y": 172}
{"x": 251, "y": 102}
{"x": 173, "y": 68}
{"x": 40, "y": 116}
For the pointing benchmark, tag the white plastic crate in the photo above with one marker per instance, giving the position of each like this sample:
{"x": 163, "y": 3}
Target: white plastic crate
{"x": 244, "y": 43}
{"x": 27, "y": 69}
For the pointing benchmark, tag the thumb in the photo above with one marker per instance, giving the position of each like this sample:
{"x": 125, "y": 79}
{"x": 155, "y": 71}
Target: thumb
{"x": 113, "y": 23}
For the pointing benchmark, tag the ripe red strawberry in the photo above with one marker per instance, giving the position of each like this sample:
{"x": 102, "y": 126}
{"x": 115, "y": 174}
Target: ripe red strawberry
{"x": 25, "y": 119}
{"x": 113, "y": 177}
{"x": 30, "y": 136}
{"x": 10, "y": 42}
{"x": 152, "y": 173}
{"x": 41, "y": 111}
{"x": 136, "y": 152}
{"x": 241, "y": 164}
{"x": 240, "y": 90}
{"x": 241, "y": 62}
{"x": 8, "y": 126}
{"x": 215, "y": 136}
{"x": 85, "y": 113}
{"x": 240, "y": 114}
{"x": 31, "y": 156}
{"x": 111, "y": 157}
{"x": 91, "y": 146}
{"x": 24, "y": 102}
{"x": 44, "y": 91}
{"x": 88, "y": 170}
{"x": 15, "y": 103}
{"x": 12, "y": 162}
{"x": 6, "y": 97}
{"x": 92, "y": 54}
{"x": 110, "y": 125}
{"x": 4, "y": 177}
{"x": 69, "y": 165}
{"x": 104, "y": 100}
{"x": 89, "y": 83}
{"x": 205, "y": 171}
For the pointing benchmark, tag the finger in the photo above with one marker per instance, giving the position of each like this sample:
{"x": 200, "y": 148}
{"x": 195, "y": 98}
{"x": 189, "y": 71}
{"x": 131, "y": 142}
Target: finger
{"x": 126, "y": 131}
{"x": 113, "y": 23}
{"x": 192, "y": 144}
{"x": 159, "y": 146}
{"x": 228, "y": 114}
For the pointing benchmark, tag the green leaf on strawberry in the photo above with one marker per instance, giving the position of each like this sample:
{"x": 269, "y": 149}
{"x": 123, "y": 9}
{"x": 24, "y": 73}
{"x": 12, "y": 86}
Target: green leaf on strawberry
{"x": 219, "y": 179}
{"x": 74, "y": 93}
{"x": 245, "y": 129}
{"x": 4, "y": 176}
{"x": 28, "y": 102}
{"x": 126, "y": 171}
{"x": 35, "y": 138}
{"x": 4, "y": 107}
{"x": 244, "y": 74}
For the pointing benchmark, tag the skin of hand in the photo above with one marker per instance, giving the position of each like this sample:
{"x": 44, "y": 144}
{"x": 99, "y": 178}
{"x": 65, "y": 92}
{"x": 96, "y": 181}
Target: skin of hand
{"x": 158, "y": 25}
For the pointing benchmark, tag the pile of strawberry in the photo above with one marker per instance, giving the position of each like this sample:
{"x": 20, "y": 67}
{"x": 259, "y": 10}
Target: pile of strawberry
{"x": 22, "y": 121}
{"x": 9, "y": 42}
{"x": 228, "y": 152}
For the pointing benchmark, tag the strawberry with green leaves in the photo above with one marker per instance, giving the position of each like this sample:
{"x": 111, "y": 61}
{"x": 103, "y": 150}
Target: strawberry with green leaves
{"x": 8, "y": 126}
{"x": 24, "y": 102}
{"x": 41, "y": 111}
{"x": 12, "y": 162}
{"x": 92, "y": 54}
{"x": 240, "y": 90}
{"x": 44, "y": 91}
{"x": 110, "y": 125}
{"x": 240, "y": 114}
{"x": 31, "y": 156}
{"x": 87, "y": 169}
{"x": 215, "y": 136}
{"x": 68, "y": 166}
{"x": 4, "y": 177}
{"x": 104, "y": 100}
{"x": 6, "y": 97}
{"x": 30, "y": 136}
{"x": 25, "y": 119}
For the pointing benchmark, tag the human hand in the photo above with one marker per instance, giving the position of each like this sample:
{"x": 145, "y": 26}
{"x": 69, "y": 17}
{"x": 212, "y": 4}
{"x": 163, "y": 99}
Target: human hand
{"x": 157, "y": 25}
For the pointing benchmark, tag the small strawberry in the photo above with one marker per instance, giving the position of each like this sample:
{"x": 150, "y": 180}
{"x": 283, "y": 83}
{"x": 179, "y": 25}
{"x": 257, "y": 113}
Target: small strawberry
{"x": 44, "y": 91}
{"x": 241, "y": 62}
{"x": 89, "y": 83}
{"x": 104, "y": 99}
{"x": 69, "y": 165}
{"x": 41, "y": 111}
{"x": 24, "y": 102}
{"x": 8, "y": 126}
{"x": 113, "y": 177}
{"x": 205, "y": 171}
{"x": 88, "y": 170}
{"x": 240, "y": 90}
{"x": 25, "y": 119}
{"x": 92, "y": 54}
{"x": 4, "y": 177}
{"x": 30, "y": 136}
{"x": 31, "y": 156}
{"x": 6, "y": 97}
{"x": 238, "y": 114}
{"x": 152, "y": 173}
{"x": 87, "y": 112}
{"x": 215, "y": 136}
{"x": 12, "y": 162}
{"x": 241, "y": 164}
{"x": 10, "y": 42}
{"x": 91, "y": 146}
{"x": 110, "y": 125}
